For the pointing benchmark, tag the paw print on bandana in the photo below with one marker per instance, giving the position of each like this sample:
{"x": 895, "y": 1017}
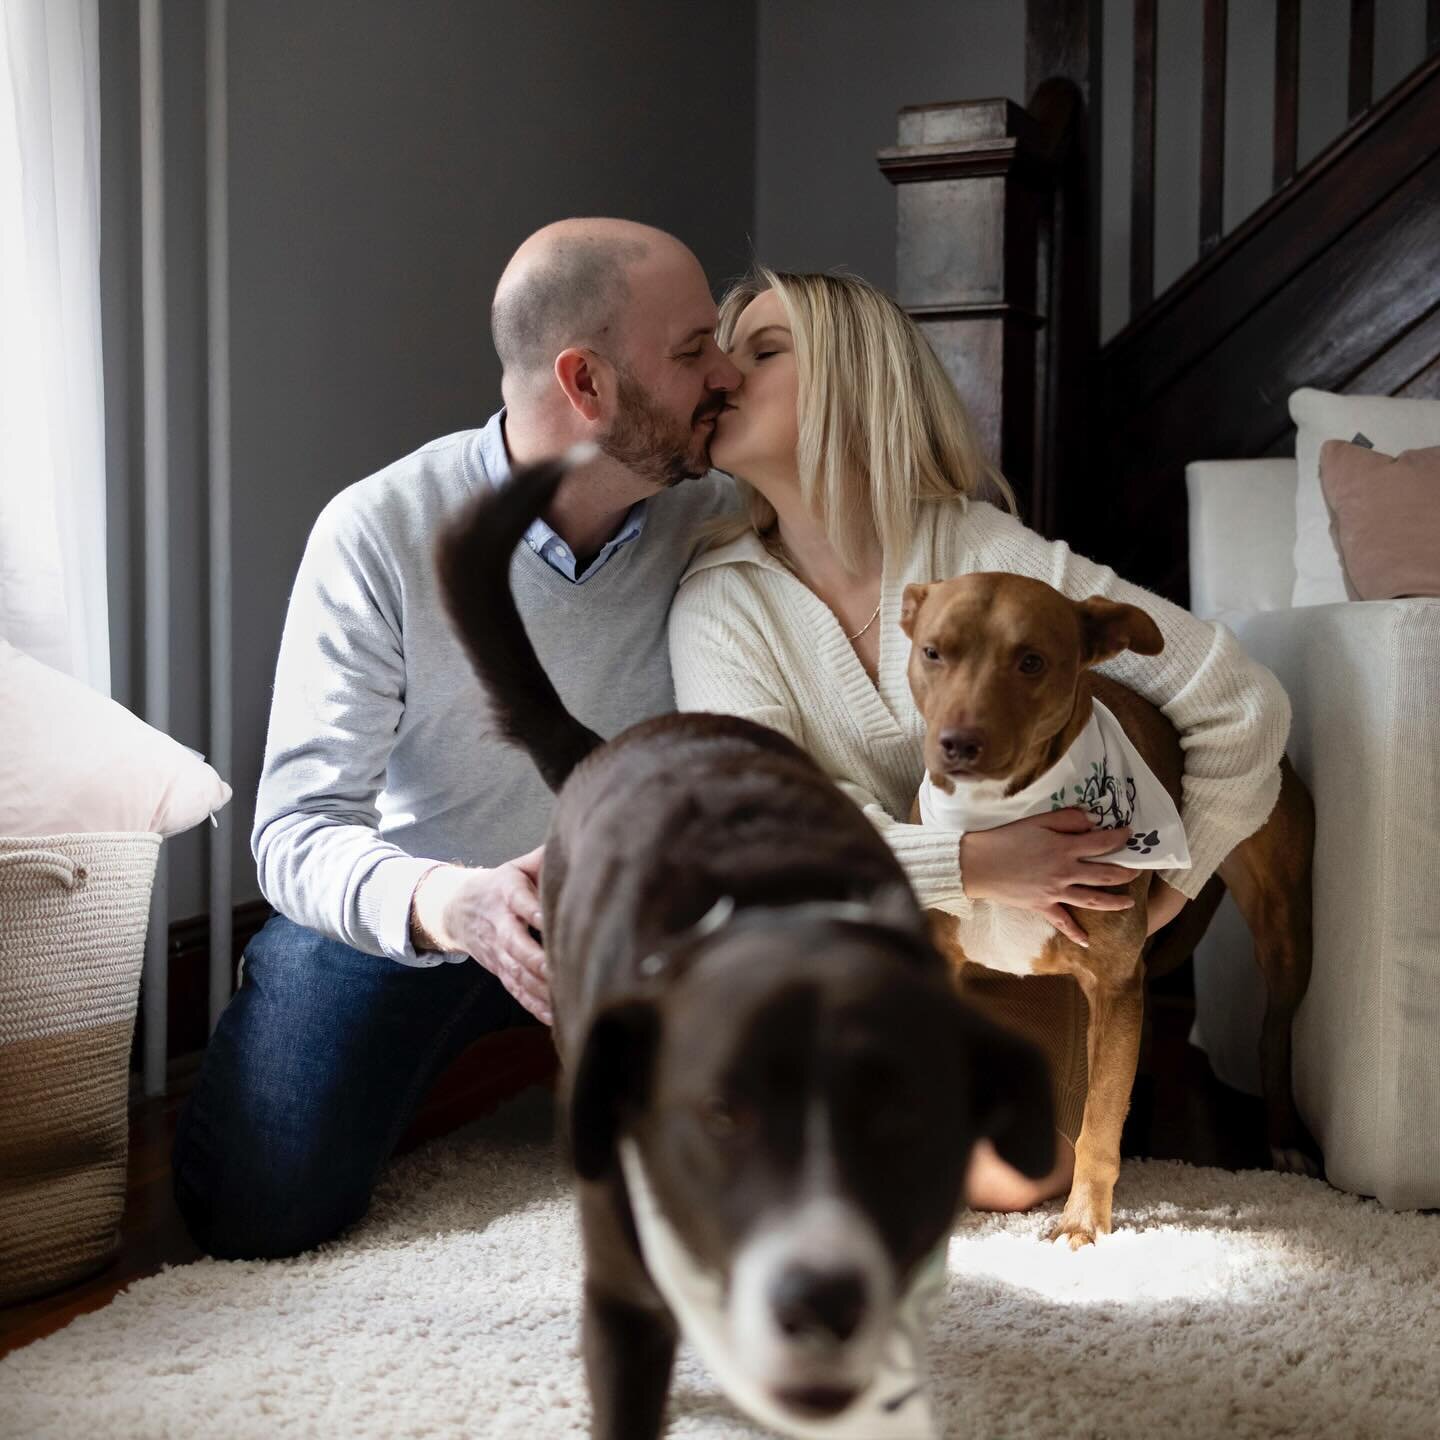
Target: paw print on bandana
{"x": 1143, "y": 843}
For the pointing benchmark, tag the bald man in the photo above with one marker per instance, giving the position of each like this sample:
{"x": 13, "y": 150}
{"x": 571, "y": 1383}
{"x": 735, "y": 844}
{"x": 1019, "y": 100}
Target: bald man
{"x": 396, "y": 834}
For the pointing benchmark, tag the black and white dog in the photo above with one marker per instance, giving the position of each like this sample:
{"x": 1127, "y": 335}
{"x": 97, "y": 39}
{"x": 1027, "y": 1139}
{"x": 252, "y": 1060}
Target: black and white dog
{"x": 772, "y": 1089}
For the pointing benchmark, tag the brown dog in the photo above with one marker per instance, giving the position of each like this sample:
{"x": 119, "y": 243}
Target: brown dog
{"x": 1001, "y": 669}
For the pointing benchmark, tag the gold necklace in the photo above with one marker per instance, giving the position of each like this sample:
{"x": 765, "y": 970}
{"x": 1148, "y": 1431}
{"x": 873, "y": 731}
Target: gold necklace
{"x": 778, "y": 551}
{"x": 866, "y": 625}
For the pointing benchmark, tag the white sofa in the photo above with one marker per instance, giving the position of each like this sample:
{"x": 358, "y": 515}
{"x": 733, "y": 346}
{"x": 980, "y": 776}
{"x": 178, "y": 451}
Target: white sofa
{"x": 1364, "y": 681}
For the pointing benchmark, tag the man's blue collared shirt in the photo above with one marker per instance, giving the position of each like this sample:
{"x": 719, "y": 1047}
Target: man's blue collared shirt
{"x": 540, "y": 537}
{"x": 558, "y": 555}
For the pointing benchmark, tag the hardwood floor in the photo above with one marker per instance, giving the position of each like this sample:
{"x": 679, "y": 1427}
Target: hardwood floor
{"x": 1179, "y": 1111}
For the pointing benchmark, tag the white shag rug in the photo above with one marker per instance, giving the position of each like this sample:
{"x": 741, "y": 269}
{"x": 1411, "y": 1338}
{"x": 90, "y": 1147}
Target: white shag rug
{"x": 1232, "y": 1305}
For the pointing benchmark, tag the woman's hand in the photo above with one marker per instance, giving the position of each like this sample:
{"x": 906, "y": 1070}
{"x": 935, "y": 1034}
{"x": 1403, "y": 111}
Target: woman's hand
{"x": 1044, "y": 863}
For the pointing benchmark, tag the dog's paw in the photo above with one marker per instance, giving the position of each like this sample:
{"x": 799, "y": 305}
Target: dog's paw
{"x": 1291, "y": 1160}
{"x": 1073, "y": 1231}
{"x": 1086, "y": 1214}
{"x": 1076, "y": 1231}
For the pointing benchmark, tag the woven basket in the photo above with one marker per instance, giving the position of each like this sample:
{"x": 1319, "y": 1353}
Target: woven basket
{"x": 73, "y": 912}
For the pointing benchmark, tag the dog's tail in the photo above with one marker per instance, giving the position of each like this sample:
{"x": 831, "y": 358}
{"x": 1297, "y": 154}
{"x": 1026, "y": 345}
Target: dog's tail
{"x": 473, "y": 559}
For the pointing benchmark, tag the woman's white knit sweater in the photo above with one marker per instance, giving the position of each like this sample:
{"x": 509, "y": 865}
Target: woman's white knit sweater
{"x": 749, "y": 638}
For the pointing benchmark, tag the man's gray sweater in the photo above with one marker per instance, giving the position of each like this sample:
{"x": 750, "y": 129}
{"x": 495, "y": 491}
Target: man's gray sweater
{"x": 381, "y": 757}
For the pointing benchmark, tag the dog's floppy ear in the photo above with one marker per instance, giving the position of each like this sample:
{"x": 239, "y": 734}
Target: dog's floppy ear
{"x": 910, "y": 603}
{"x": 1108, "y": 627}
{"x": 1010, "y": 1095}
{"x": 612, "y": 1081}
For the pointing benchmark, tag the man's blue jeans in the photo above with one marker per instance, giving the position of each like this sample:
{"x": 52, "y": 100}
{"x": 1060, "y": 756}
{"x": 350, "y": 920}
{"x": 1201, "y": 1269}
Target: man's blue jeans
{"x": 311, "y": 1077}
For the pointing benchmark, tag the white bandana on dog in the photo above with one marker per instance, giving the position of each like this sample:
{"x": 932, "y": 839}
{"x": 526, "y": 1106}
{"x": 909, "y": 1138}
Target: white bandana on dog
{"x": 1101, "y": 773}
{"x": 896, "y": 1406}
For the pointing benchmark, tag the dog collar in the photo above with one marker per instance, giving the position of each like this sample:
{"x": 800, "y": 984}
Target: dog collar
{"x": 895, "y": 1406}
{"x": 1103, "y": 774}
{"x": 724, "y": 912}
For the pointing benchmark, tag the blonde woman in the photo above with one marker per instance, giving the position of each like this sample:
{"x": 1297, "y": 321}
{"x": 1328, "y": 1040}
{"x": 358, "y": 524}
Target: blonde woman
{"x": 859, "y": 474}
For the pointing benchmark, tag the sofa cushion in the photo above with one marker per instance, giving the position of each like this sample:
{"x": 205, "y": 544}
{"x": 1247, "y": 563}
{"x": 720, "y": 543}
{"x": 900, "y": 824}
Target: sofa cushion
{"x": 1387, "y": 518}
{"x": 1242, "y": 537}
{"x": 1389, "y": 425}
{"x": 74, "y": 761}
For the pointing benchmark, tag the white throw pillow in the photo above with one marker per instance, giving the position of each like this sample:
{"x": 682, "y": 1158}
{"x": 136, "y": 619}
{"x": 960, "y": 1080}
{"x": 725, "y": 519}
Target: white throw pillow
{"x": 73, "y": 760}
{"x": 1389, "y": 425}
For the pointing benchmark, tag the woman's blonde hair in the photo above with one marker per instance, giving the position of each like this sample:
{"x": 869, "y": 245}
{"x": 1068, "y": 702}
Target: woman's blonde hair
{"x": 881, "y": 426}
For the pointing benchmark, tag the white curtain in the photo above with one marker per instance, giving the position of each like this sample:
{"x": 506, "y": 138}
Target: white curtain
{"x": 52, "y": 440}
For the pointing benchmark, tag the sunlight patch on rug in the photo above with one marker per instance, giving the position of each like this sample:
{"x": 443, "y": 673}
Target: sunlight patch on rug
{"x": 1128, "y": 1267}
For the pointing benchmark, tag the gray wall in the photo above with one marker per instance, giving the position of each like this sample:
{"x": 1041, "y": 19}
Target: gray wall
{"x": 830, "y": 80}
{"x": 385, "y": 160}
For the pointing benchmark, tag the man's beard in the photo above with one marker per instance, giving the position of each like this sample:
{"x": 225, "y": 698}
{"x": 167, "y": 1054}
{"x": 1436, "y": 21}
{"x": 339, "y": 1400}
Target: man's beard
{"x": 651, "y": 443}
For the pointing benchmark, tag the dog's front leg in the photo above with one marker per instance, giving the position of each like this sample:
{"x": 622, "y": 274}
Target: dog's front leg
{"x": 627, "y": 1332}
{"x": 629, "y": 1351}
{"x": 1117, "y": 1011}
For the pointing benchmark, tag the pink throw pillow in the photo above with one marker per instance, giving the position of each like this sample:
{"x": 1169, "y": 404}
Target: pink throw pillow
{"x": 1386, "y": 511}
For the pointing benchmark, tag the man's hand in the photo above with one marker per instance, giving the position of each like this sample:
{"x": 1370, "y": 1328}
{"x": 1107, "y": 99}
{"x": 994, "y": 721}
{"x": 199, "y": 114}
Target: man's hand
{"x": 488, "y": 915}
{"x": 1044, "y": 863}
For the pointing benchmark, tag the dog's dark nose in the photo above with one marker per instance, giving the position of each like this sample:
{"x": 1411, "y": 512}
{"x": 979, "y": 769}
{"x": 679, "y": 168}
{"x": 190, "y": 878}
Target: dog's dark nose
{"x": 818, "y": 1302}
{"x": 962, "y": 747}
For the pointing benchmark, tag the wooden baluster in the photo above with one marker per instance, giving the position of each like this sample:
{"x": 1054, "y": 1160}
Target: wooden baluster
{"x": 1062, "y": 37}
{"x": 1287, "y": 89}
{"x": 1142, "y": 162}
{"x": 1362, "y": 54}
{"x": 1212, "y": 129}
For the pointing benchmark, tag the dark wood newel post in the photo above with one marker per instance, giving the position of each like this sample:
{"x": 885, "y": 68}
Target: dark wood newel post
{"x": 994, "y": 260}
{"x": 974, "y": 188}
